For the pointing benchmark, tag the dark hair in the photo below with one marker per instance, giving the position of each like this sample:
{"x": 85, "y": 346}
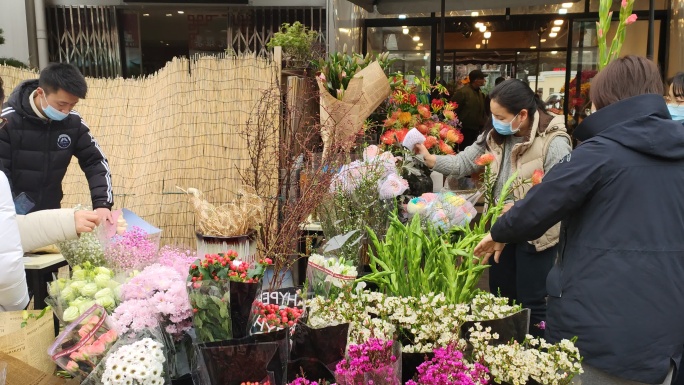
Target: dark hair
{"x": 499, "y": 80}
{"x": 515, "y": 96}
{"x": 677, "y": 84}
{"x": 624, "y": 78}
{"x": 63, "y": 76}
{"x": 2, "y": 92}
{"x": 476, "y": 75}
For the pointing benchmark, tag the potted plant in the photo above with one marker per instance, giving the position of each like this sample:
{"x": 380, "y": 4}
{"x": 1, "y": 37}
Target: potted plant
{"x": 297, "y": 42}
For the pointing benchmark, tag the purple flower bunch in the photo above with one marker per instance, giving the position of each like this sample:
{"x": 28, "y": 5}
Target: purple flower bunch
{"x": 448, "y": 368}
{"x": 177, "y": 258}
{"x": 132, "y": 250}
{"x": 156, "y": 296}
{"x": 373, "y": 362}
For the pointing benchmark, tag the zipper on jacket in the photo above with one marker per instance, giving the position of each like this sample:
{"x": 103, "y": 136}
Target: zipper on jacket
{"x": 46, "y": 166}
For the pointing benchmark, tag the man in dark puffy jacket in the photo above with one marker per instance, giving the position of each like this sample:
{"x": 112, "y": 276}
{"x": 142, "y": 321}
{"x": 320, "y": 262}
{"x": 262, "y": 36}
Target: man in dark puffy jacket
{"x": 42, "y": 134}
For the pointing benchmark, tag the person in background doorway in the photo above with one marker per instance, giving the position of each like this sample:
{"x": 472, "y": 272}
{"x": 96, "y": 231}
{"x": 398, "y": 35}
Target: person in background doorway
{"x": 675, "y": 97}
{"x": 471, "y": 107}
{"x": 617, "y": 284}
{"x": 43, "y": 133}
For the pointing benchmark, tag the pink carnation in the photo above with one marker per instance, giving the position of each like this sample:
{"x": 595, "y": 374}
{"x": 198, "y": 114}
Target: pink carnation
{"x": 157, "y": 295}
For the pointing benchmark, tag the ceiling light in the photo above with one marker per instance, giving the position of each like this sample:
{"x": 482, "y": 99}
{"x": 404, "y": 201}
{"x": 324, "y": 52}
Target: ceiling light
{"x": 567, "y": 5}
{"x": 402, "y": 16}
{"x": 167, "y": 43}
{"x": 487, "y": 35}
{"x": 161, "y": 41}
{"x": 418, "y": 53}
{"x": 425, "y": 57}
{"x": 475, "y": 14}
{"x": 169, "y": 14}
{"x": 420, "y": 44}
{"x": 484, "y": 41}
{"x": 558, "y": 22}
{"x": 181, "y": 12}
{"x": 416, "y": 38}
{"x": 542, "y": 40}
{"x": 146, "y": 14}
{"x": 405, "y": 31}
{"x": 554, "y": 52}
{"x": 478, "y": 24}
{"x": 533, "y": 47}
{"x": 555, "y": 29}
{"x": 563, "y": 11}
{"x": 477, "y": 46}
{"x": 344, "y": 30}
{"x": 553, "y": 34}
{"x": 483, "y": 28}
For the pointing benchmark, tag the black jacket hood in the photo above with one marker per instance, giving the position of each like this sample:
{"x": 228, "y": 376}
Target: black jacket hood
{"x": 641, "y": 123}
{"x": 19, "y": 100}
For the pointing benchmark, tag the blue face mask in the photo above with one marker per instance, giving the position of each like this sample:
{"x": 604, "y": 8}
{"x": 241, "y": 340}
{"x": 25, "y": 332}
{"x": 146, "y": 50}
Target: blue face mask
{"x": 504, "y": 128}
{"x": 677, "y": 112}
{"x": 51, "y": 112}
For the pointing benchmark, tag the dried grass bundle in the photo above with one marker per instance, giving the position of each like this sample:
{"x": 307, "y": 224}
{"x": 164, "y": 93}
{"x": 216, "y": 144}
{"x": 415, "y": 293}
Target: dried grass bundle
{"x": 228, "y": 220}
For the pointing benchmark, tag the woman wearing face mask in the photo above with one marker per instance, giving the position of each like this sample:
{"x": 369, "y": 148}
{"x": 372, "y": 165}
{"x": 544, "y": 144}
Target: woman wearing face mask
{"x": 675, "y": 99}
{"x": 523, "y": 138}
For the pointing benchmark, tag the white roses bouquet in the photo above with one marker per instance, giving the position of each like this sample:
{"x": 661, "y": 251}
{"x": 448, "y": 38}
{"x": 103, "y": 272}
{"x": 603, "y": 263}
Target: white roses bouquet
{"x": 326, "y": 274}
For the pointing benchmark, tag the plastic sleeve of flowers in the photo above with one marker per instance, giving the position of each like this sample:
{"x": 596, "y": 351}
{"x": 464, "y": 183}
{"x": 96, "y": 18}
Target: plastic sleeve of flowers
{"x": 309, "y": 368}
{"x": 133, "y": 250}
{"x": 276, "y": 309}
{"x": 326, "y": 344}
{"x": 322, "y": 281}
{"x": 55, "y": 350}
{"x": 84, "y": 343}
{"x": 156, "y": 334}
{"x": 212, "y": 318}
{"x": 330, "y": 273}
{"x": 514, "y": 327}
{"x": 234, "y": 364}
{"x": 242, "y": 297}
{"x": 389, "y": 374}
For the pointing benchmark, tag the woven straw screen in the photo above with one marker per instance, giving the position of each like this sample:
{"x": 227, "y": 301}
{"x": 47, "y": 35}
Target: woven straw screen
{"x": 178, "y": 127}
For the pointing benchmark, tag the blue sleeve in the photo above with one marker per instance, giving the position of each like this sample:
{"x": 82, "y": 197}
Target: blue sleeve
{"x": 564, "y": 189}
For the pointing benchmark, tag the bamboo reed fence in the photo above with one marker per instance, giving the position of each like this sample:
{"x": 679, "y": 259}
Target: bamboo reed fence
{"x": 178, "y": 127}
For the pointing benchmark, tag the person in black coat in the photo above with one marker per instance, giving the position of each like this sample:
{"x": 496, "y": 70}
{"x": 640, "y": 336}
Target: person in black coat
{"x": 42, "y": 134}
{"x": 618, "y": 282}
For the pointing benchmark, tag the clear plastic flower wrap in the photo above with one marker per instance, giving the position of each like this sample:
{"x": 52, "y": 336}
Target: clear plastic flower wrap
{"x": 275, "y": 310}
{"x": 329, "y": 274}
{"x": 135, "y": 249}
{"x": 87, "y": 248}
{"x": 373, "y": 362}
{"x": 84, "y": 343}
{"x": 88, "y": 285}
{"x": 444, "y": 210}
